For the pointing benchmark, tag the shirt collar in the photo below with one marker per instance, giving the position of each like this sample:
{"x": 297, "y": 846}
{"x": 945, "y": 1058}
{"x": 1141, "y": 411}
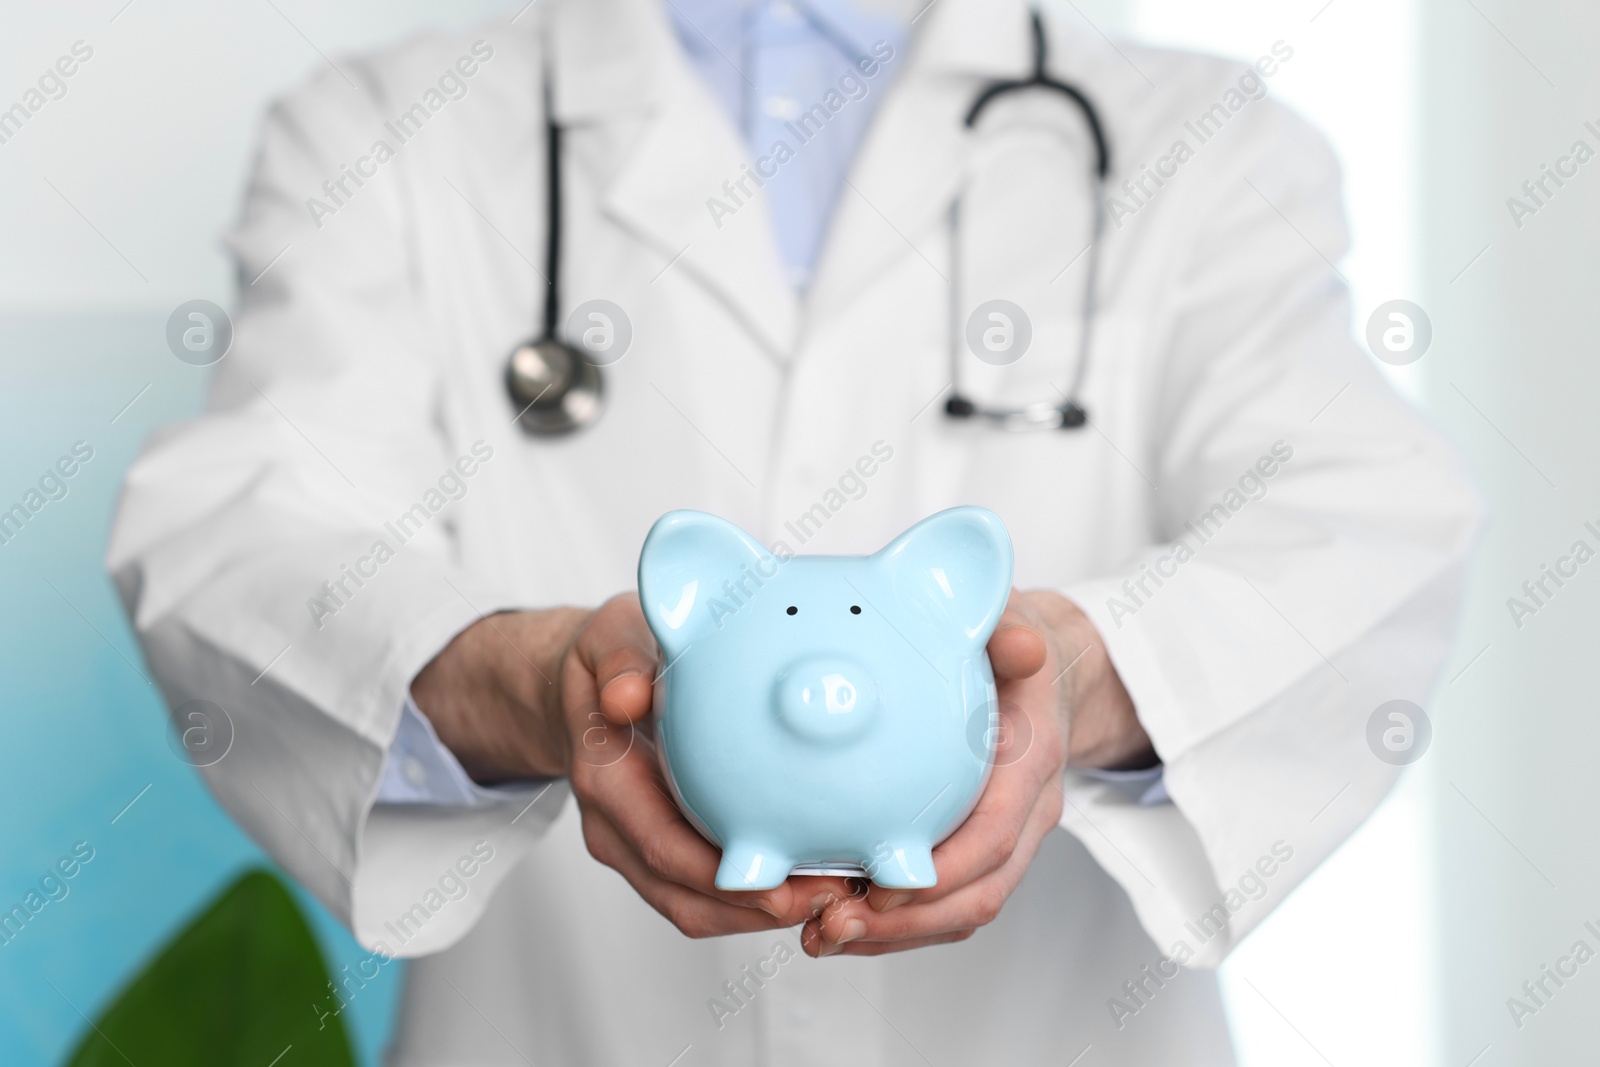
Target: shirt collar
{"x": 853, "y": 27}
{"x": 616, "y": 52}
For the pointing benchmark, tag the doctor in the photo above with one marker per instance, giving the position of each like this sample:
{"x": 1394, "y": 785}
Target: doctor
{"x": 416, "y": 614}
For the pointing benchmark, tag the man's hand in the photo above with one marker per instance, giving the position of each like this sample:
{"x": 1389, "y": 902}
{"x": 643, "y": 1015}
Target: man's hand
{"x": 1061, "y": 702}
{"x": 559, "y": 693}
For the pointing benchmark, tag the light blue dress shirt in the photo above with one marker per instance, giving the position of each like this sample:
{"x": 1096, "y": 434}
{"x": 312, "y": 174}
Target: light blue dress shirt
{"x": 804, "y": 74}
{"x": 800, "y": 80}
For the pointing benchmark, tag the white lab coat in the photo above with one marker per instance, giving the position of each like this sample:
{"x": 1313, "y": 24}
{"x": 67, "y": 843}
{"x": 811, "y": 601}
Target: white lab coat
{"x": 369, "y": 356}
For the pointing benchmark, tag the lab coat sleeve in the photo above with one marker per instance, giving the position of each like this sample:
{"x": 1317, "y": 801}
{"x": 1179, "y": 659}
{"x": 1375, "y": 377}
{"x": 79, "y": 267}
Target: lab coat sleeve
{"x": 288, "y": 555}
{"x": 1310, "y": 542}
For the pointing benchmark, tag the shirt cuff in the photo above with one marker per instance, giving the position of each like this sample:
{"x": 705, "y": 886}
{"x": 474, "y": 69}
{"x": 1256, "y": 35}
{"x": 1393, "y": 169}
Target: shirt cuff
{"x": 1148, "y": 785}
{"x": 419, "y": 769}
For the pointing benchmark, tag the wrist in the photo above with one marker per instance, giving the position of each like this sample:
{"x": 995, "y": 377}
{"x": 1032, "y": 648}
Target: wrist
{"x": 1097, "y": 713}
{"x": 493, "y": 694}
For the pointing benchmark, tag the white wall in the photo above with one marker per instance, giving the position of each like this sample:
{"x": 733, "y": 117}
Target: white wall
{"x": 151, "y": 140}
{"x": 1507, "y": 87}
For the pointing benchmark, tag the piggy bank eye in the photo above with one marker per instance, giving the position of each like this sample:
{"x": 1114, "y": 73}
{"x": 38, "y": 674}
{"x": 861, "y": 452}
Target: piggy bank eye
{"x": 855, "y": 609}
{"x": 793, "y": 610}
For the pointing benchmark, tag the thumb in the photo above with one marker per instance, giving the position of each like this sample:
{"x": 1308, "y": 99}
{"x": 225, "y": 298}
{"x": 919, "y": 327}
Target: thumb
{"x": 1017, "y": 648}
{"x": 620, "y": 652}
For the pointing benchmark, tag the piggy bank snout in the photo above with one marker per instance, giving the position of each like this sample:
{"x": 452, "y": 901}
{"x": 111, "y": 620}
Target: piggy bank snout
{"x": 826, "y": 698}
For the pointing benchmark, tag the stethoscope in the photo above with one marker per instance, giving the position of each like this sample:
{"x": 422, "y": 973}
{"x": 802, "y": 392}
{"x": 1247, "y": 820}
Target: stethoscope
{"x": 1069, "y": 414}
{"x": 558, "y": 389}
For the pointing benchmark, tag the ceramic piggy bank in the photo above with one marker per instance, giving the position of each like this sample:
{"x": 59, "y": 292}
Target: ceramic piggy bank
{"x": 825, "y": 713}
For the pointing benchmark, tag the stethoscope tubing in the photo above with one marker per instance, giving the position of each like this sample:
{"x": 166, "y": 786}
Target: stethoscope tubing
{"x": 578, "y": 384}
{"x": 1070, "y": 413}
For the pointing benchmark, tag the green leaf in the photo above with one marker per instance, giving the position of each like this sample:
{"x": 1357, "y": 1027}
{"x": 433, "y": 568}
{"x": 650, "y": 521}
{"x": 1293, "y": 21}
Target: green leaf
{"x": 236, "y": 988}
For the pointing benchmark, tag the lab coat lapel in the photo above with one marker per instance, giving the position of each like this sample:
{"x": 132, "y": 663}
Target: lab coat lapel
{"x": 914, "y": 158}
{"x": 622, "y": 65}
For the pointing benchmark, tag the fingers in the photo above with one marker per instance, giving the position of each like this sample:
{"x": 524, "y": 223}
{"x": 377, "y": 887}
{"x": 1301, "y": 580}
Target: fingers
{"x": 1028, "y": 760}
{"x": 632, "y": 825}
{"x": 695, "y": 914}
{"x": 1016, "y": 808}
{"x": 812, "y": 943}
{"x": 960, "y": 912}
{"x": 618, "y": 650}
{"x": 630, "y": 822}
{"x": 631, "y": 798}
{"x": 972, "y": 905}
{"x": 1000, "y": 823}
{"x": 1017, "y": 648}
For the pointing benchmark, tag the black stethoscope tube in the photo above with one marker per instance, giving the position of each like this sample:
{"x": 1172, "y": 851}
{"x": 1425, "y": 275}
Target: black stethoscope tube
{"x": 553, "y": 217}
{"x": 1070, "y": 413}
{"x": 557, "y": 389}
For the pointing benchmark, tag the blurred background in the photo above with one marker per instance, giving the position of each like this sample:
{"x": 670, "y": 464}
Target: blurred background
{"x": 1480, "y": 869}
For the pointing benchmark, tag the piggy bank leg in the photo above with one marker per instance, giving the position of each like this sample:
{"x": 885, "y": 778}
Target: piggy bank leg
{"x": 747, "y": 866}
{"x": 903, "y": 867}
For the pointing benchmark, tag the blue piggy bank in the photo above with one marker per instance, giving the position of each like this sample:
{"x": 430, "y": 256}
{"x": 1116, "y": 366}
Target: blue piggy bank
{"x": 825, "y": 713}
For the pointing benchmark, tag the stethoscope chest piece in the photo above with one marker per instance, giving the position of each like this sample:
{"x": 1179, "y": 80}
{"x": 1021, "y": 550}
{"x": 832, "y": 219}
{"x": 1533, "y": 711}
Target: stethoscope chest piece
{"x": 556, "y": 389}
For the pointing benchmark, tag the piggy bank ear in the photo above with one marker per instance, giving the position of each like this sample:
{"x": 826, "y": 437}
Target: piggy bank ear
{"x": 686, "y": 558}
{"x": 953, "y": 571}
